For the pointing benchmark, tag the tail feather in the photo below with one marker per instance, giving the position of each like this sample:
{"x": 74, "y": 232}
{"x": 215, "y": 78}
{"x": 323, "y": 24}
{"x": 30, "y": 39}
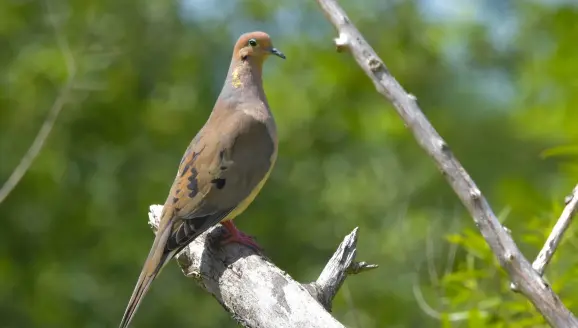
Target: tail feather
{"x": 142, "y": 286}
{"x": 153, "y": 265}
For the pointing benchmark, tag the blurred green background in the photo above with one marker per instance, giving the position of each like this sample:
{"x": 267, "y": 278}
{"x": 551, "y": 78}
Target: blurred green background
{"x": 498, "y": 79}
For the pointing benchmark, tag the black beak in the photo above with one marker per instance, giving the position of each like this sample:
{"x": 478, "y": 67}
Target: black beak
{"x": 276, "y": 52}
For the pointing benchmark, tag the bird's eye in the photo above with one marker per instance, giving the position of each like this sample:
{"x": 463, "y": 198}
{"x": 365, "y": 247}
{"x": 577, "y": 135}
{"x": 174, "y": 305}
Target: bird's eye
{"x": 252, "y": 42}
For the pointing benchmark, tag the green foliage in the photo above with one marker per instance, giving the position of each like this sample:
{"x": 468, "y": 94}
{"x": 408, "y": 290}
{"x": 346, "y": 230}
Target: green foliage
{"x": 74, "y": 230}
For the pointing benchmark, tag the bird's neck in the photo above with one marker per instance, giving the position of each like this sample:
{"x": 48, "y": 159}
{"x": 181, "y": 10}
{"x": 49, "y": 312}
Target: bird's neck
{"x": 244, "y": 78}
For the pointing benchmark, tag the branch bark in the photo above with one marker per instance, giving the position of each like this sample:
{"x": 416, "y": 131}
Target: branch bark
{"x": 257, "y": 293}
{"x": 524, "y": 277}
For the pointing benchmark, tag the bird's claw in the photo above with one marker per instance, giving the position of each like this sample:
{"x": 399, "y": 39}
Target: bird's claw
{"x": 241, "y": 238}
{"x": 234, "y": 235}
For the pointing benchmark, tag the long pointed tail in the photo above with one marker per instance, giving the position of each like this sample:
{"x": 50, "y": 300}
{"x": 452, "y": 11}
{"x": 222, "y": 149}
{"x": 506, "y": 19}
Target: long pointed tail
{"x": 142, "y": 286}
{"x": 153, "y": 265}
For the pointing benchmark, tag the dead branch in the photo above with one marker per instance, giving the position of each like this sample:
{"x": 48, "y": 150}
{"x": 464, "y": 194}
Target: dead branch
{"x": 257, "y": 293}
{"x": 557, "y": 233}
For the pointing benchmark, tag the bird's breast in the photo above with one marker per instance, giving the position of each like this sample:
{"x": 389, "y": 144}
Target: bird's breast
{"x": 271, "y": 141}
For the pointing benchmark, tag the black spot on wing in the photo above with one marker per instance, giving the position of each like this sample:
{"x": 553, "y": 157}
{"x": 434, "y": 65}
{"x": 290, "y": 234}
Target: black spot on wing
{"x": 185, "y": 169}
{"x": 219, "y": 183}
{"x": 190, "y": 158}
{"x": 222, "y": 160}
{"x": 190, "y": 162}
{"x": 193, "y": 185}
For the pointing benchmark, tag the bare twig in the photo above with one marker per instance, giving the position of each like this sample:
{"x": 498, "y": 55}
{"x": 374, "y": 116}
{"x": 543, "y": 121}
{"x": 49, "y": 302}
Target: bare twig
{"x": 48, "y": 123}
{"x": 430, "y": 257}
{"x": 430, "y": 311}
{"x": 255, "y": 291}
{"x": 339, "y": 266}
{"x": 557, "y": 233}
{"x": 523, "y": 276}
{"x": 438, "y": 285}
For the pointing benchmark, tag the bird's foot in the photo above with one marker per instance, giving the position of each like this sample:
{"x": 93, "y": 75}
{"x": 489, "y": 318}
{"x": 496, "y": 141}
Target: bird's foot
{"x": 234, "y": 235}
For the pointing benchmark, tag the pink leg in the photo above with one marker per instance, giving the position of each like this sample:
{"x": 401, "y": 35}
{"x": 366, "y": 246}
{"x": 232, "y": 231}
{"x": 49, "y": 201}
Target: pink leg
{"x": 236, "y": 236}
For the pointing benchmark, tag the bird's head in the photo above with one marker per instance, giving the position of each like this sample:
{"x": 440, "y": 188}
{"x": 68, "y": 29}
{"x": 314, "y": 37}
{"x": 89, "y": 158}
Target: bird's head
{"x": 255, "y": 47}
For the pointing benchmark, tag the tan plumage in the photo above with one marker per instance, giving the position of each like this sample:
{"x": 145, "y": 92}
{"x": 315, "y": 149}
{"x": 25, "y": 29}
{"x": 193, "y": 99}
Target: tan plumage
{"x": 224, "y": 167}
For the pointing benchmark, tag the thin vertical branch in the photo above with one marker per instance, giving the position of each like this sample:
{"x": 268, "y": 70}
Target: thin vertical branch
{"x": 557, "y": 233}
{"x": 53, "y": 113}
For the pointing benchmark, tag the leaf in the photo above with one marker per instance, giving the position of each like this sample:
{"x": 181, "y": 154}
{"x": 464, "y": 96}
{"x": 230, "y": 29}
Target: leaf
{"x": 567, "y": 150}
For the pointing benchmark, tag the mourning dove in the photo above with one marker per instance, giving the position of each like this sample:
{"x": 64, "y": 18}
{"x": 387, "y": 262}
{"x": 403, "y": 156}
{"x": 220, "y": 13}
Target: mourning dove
{"x": 224, "y": 167}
